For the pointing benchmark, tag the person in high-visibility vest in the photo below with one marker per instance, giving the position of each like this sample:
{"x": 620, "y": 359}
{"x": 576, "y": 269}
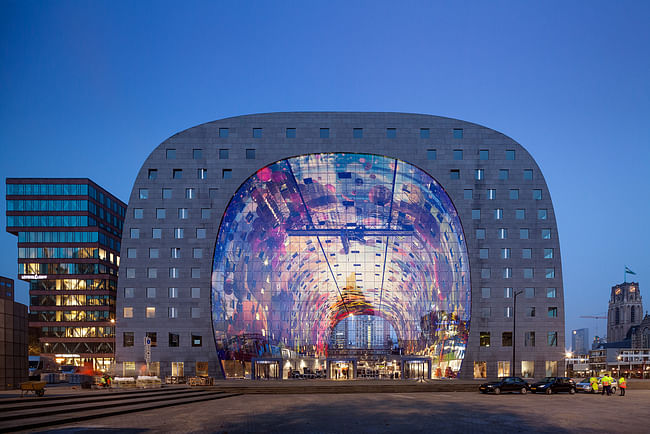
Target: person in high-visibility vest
{"x": 622, "y": 384}
{"x": 606, "y": 385}
{"x": 593, "y": 381}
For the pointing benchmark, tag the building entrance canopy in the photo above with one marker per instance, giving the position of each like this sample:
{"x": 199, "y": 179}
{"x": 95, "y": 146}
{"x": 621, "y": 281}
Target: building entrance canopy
{"x": 311, "y": 240}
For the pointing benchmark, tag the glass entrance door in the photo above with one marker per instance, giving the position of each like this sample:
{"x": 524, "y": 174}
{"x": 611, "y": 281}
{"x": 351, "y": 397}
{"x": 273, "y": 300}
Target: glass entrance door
{"x": 416, "y": 369}
{"x": 267, "y": 370}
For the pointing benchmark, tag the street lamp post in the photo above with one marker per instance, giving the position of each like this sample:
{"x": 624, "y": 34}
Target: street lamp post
{"x": 514, "y": 330}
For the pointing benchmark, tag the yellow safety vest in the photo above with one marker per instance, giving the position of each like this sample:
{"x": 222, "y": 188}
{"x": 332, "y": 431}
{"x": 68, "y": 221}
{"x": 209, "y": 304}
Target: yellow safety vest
{"x": 621, "y": 383}
{"x": 605, "y": 381}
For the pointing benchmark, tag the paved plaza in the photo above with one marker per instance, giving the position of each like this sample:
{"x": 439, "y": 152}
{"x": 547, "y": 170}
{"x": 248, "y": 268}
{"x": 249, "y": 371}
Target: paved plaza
{"x": 453, "y": 412}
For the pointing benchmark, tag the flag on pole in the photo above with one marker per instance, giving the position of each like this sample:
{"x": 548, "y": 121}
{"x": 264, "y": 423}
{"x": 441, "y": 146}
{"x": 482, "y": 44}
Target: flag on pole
{"x": 628, "y": 271}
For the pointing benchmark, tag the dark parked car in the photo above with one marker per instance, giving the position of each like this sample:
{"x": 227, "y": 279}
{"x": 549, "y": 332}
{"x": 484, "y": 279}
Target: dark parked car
{"x": 507, "y": 384}
{"x": 550, "y": 385}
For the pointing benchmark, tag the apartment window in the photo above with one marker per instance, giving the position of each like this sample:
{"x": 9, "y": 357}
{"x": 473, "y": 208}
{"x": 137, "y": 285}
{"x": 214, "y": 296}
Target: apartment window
{"x": 424, "y": 133}
{"x": 166, "y": 193}
{"x": 174, "y": 273}
{"x": 432, "y": 154}
{"x": 520, "y": 214}
{"x": 151, "y": 292}
{"x": 550, "y": 273}
{"x": 454, "y": 174}
{"x": 542, "y": 214}
{"x": 485, "y": 292}
{"x": 137, "y": 213}
{"x": 551, "y": 292}
{"x": 505, "y": 253}
{"x": 173, "y": 312}
{"x": 480, "y": 234}
{"x": 485, "y": 273}
{"x": 357, "y": 133}
{"x": 156, "y": 233}
{"x": 510, "y": 154}
{"x": 131, "y": 253}
{"x": 484, "y": 154}
{"x": 537, "y": 194}
{"x": 458, "y": 133}
{"x": 223, "y": 154}
{"x": 503, "y": 369}
{"x": 467, "y": 193}
{"x": 480, "y": 369}
{"x": 178, "y": 233}
{"x": 528, "y": 368}
{"x": 523, "y": 234}
{"x": 530, "y": 312}
{"x": 226, "y": 173}
{"x": 529, "y": 339}
{"x": 483, "y": 253}
{"x": 502, "y": 233}
{"x": 205, "y": 213}
{"x": 197, "y": 154}
{"x": 153, "y": 173}
{"x": 144, "y": 193}
{"x": 250, "y": 154}
{"x": 526, "y": 253}
{"x": 153, "y": 336}
{"x": 458, "y": 154}
{"x": 196, "y": 312}
{"x": 552, "y": 312}
{"x": 177, "y": 173}
{"x": 548, "y": 253}
{"x": 161, "y": 213}
{"x": 135, "y": 233}
{"x": 529, "y": 292}
{"x": 528, "y": 174}
{"x": 484, "y": 339}
{"x": 391, "y": 133}
{"x": 507, "y": 292}
{"x": 174, "y": 339}
{"x": 173, "y": 292}
{"x": 491, "y": 194}
{"x": 223, "y": 133}
{"x": 324, "y": 133}
{"x": 552, "y": 339}
{"x": 128, "y": 339}
{"x": 214, "y": 193}
{"x": 506, "y": 339}
{"x": 200, "y": 233}
{"x": 175, "y": 252}
{"x": 479, "y": 175}
{"x": 196, "y": 292}
{"x": 498, "y": 214}
{"x": 528, "y": 273}
{"x": 127, "y": 312}
{"x": 202, "y": 173}
{"x": 507, "y": 273}
{"x": 546, "y": 234}
{"x": 257, "y": 133}
{"x": 486, "y": 312}
{"x": 507, "y": 312}
{"x": 152, "y": 273}
{"x": 150, "y": 312}
{"x": 291, "y": 133}
{"x": 171, "y": 154}
{"x": 551, "y": 368}
{"x": 129, "y": 292}
{"x": 190, "y": 193}
{"x": 153, "y": 253}
{"x": 130, "y": 273}
{"x": 183, "y": 213}
{"x": 197, "y": 341}
{"x": 503, "y": 174}
{"x": 514, "y": 194}
{"x": 196, "y": 273}
{"x": 476, "y": 214}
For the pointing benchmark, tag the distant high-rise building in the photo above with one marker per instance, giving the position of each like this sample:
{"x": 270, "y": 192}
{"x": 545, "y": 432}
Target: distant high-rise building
{"x": 13, "y": 337}
{"x": 625, "y": 311}
{"x": 580, "y": 341}
{"x": 597, "y": 342}
{"x": 69, "y": 233}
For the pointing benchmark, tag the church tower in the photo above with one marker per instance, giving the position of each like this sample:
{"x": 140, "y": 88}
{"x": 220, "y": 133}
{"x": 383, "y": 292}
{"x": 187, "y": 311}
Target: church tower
{"x": 625, "y": 310}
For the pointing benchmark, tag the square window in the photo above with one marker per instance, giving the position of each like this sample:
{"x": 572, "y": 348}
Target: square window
{"x": 226, "y": 173}
{"x": 548, "y": 253}
{"x": 514, "y": 194}
{"x": 154, "y": 253}
{"x": 528, "y": 273}
{"x": 507, "y": 312}
{"x": 128, "y": 339}
{"x": 552, "y": 312}
{"x": 504, "y": 174}
{"x": 200, "y": 233}
{"x": 173, "y": 273}
{"x": 550, "y": 273}
{"x": 484, "y": 338}
{"x": 551, "y": 292}
{"x": 505, "y": 253}
{"x": 161, "y": 213}
{"x": 250, "y": 154}
{"x": 175, "y": 253}
{"x": 498, "y": 214}
{"x": 150, "y": 312}
{"x": 151, "y": 292}
{"x": 177, "y": 173}
{"x": 491, "y": 194}
{"x": 171, "y": 154}
{"x": 476, "y": 214}
{"x": 485, "y": 292}
{"x": 152, "y": 273}
{"x": 537, "y": 194}
{"x": 458, "y": 133}
{"x": 223, "y": 154}
{"x": 174, "y": 339}
{"x": 507, "y": 273}
{"x": 485, "y": 273}
{"x": 480, "y": 369}
{"x": 484, "y": 154}
{"x": 197, "y": 253}
{"x": 542, "y": 214}
{"x": 523, "y": 234}
{"x": 137, "y": 213}
{"x": 486, "y": 312}
{"x": 173, "y": 292}
{"x": 178, "y": 233}
{"x": 166, "y": 193}
{"x": 432, "y": 154}
{"x": 529, "y": 292}
{"x": 357, "y": 133}
{"x": 196, "y": 312}
{"x": 528, "y": 368}
{"x": 183, "y": 213}
{"x": 391, "y": 133}
{"x": 214, "y": 193}
{"x": 135, "y": 233}
{"x": 197, "y": 341}
{"x": 257, "y": 133}
{"x": 520, "y": 214}
{"x": 153, "y": 337}
{"x": 526, "y": 253}
{"x": 467, "y": 194}
{"x": 205, "y": 213}
{"x": 131, "y": 253}
{"x": 506, "y": 339}
{"x": 454, "y": 174}
{"x": 196, "y": 273}
{"x": 458, "y": 154}
{"x": 424, "y": 133}
{"x": 483, "y": 253}
{"x": 190, "y": 193}
{"x": 156, "y": 233}
{"x": 502, "y": 233}
{"x": 507, "y": 292}
{"x": 130, "y": 273}
{"x": 202, "y": 173}
{"x": 129, "y": 292}
{"x": 529, "y": 339}
{"x": 153, "y": 173}
{"x": 479, "y": 175}
{"x": 324, "y": 133}
{"x": 144, "y": 193}
{"x": 480, "y": 234}
{"x": 223, "y": 133}
{"x": 291, "y": 133}
{"x": 510, "y": 154}
{"x": 197, "y": 154}
{"x": 528, "y": 174}
{"x": 196, "y": 292}
{"x": 552, "y": 339}
{"x": 546, "y": 234}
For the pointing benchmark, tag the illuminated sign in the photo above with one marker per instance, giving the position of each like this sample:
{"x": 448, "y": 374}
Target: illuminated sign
{"x": 33, "y": 276}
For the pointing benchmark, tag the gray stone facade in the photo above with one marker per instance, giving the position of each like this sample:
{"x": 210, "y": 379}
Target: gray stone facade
{"x": 532, "y": 261}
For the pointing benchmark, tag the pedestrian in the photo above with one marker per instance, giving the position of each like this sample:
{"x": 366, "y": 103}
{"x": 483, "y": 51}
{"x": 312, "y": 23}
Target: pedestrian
{"x": 606, "y": 385}
{"x": 622, "y": 384}
{"x": 594, "y": 384}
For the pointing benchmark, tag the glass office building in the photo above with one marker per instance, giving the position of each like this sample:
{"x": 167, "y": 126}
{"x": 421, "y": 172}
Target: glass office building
{"x": 68, "y": 234}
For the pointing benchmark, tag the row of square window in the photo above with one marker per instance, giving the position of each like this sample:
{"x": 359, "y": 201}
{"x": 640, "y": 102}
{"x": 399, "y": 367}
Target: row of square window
{"x": 197, "y": 154}
{"x": 161, "y": 213}
{"x": 483, "y": 154}
{"x": 520, "y": 214}
{"x": 156, "y": 233}
{"x": 128, "y": 339}
{"x": 551, "y": 312}
{"x": 171, "y": 292}
{"x": 506, "y": 253}
{"x": 502, "y": 234}
{"x": 174, "y": 273}
{"x": 529, "y": 339}
{"x": 175, "y": 253}
{"x": 178, "y": 174}
{"x": 491, "y": 194}
{"x": 504, "y": 174}
{"x": 528, "y": 273}
{"x": 528, "y": 292}
{"x": 324, "y": 133}
{"x": 150, "y": 312}
{"x": 503, "y": 369}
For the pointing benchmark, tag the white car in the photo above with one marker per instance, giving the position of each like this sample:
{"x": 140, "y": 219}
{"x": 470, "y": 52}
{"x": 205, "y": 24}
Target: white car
{"x": 585, "y": 386}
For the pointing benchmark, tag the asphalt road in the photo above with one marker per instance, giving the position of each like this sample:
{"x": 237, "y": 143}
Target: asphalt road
{"x": 454, "y": 412}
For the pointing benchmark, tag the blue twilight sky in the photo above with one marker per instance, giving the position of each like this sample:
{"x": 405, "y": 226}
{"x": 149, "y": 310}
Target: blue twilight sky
{"x": 89, "y": 88}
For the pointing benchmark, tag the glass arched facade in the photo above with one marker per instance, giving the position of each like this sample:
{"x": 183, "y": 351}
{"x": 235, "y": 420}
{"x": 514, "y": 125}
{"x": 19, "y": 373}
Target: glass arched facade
{"x": 308, "y": 243}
